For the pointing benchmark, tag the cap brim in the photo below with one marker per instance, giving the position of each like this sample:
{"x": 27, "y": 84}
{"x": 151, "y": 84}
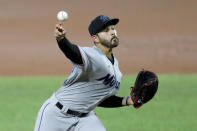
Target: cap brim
{"x": 111, "y": 22}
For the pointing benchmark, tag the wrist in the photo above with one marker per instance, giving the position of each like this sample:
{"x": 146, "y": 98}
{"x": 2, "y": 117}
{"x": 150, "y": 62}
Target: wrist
{"x": 127, "y": 98}
{"x": 60, "y": 38}
{"x": 125, "y": 101}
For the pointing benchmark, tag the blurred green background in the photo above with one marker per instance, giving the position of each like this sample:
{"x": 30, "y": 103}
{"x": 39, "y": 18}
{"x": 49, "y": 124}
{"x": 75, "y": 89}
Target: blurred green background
{"x": 172, "y": 109}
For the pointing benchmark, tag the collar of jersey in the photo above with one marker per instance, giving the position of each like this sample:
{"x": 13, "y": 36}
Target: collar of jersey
{"x": 99, "y": 50}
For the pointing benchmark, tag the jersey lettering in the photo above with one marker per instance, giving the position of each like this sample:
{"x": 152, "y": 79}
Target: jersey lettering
{"x": 110, "y": 80}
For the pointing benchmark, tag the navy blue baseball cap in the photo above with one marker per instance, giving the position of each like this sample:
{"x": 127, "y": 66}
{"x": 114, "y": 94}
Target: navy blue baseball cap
{"x": 100, "y": 22}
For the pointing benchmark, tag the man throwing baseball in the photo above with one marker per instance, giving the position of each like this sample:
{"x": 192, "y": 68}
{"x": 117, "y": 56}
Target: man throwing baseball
{"x": 94, "y": 81}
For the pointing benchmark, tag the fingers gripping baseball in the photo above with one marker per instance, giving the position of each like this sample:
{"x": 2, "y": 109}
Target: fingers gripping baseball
{"x": 59, "y": 32}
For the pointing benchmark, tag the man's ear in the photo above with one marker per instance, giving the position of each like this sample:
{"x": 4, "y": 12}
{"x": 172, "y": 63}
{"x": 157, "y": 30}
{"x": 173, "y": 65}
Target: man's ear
{"x": 95, "y": 39}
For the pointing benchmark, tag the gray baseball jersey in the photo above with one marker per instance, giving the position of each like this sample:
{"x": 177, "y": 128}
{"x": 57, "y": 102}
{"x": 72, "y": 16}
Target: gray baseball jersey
{"x": 91, "y": 83}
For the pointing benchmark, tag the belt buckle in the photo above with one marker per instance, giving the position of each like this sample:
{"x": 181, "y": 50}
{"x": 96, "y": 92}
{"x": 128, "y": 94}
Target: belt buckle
{"x": 82, "y": 114}
{"x": 76, "y": 113}
{"x": 73, "y": 113}
{"x": 79, "y": 114}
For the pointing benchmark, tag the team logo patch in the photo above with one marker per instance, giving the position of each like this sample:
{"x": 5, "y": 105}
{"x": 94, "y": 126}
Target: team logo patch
{"x": 104, "y": 18}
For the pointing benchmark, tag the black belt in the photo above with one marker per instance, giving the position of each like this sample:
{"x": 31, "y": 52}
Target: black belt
{"x": 71, "y": 112}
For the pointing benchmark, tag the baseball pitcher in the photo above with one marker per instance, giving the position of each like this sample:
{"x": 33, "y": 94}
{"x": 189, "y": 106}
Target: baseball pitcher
{"x": 94, "y": 81}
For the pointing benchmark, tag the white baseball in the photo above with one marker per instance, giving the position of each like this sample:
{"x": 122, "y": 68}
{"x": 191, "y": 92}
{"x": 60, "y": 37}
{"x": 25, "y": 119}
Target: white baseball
{"x": 62, "y": 16}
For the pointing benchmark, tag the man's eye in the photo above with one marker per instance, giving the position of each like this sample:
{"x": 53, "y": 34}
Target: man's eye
{"x": 106, "y": 30}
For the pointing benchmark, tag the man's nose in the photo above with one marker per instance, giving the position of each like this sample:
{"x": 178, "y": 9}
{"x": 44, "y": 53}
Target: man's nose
{"x": 113, "y": 33}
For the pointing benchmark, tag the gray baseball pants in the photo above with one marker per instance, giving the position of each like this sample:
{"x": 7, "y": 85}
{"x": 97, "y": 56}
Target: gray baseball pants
{"x": 51, "y": 118}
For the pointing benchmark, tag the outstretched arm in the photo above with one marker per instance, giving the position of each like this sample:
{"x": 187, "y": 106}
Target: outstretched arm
{"x": 71, "y": 51}
{"x": 115, "y": 101}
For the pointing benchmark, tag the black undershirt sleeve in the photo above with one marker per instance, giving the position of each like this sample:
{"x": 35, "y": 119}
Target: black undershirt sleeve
{"x": 71, "y": 51}
{"x": 112, "y": 102}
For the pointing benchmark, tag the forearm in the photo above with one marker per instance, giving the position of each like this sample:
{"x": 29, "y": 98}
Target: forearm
{"x": 71, "y": 51}
{"x": 115, "y": 101}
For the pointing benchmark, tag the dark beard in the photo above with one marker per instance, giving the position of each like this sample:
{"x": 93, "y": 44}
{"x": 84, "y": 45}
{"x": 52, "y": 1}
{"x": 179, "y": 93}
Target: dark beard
{"x": 110, "y": 44}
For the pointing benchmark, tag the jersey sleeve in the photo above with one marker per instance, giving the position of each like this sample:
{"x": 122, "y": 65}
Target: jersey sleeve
{"x": 70, "y": 50}
{"x": 84, "y": 55}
